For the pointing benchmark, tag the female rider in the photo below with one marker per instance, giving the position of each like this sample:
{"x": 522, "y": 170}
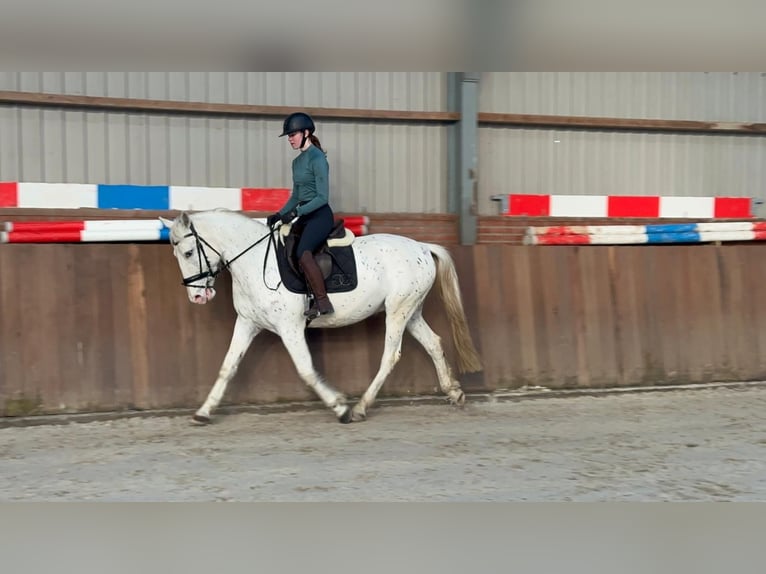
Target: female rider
{"x": 309, "y": 203}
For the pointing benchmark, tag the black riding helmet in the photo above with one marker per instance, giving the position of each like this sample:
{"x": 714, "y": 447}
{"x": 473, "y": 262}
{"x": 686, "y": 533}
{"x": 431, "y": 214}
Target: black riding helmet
{"x": 297, "y": 122}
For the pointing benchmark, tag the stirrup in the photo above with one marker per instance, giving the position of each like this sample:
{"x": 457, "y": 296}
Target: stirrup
{"x": 314, "y": 310}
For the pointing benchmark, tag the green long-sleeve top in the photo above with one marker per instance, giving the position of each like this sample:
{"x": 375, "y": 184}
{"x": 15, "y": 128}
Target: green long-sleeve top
{"x": 311, "y": 182}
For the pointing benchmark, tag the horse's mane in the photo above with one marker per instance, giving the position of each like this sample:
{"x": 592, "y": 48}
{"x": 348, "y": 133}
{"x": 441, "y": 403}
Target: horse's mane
{"x": 179, "y": 231}
{"x": 223, "y": 211}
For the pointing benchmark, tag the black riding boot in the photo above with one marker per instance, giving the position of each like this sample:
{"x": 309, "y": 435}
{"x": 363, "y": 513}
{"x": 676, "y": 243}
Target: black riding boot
{"x": 321, "y": 304}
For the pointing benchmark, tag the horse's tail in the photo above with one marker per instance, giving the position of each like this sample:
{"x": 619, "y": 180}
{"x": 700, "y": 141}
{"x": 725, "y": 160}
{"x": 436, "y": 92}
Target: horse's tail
{"x": 468, "y": 360}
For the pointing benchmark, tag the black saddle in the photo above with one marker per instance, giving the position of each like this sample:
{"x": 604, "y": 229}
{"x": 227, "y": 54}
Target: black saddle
{"x": 335, "y": 258}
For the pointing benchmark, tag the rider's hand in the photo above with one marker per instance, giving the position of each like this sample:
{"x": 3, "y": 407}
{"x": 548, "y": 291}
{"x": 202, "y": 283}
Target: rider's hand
{"x": 288, "y": 217}
{"x": 272, "y": 219}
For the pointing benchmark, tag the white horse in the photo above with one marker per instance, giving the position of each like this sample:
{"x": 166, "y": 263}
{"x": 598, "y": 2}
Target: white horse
{"x": 395, "y": 274}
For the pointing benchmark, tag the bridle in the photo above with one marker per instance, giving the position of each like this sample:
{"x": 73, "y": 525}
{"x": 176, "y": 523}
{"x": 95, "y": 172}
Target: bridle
{"x": 211, "y": 273}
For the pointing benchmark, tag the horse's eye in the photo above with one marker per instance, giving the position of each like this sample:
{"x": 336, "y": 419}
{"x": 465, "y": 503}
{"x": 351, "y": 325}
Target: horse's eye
{"x": 188, "y": 254}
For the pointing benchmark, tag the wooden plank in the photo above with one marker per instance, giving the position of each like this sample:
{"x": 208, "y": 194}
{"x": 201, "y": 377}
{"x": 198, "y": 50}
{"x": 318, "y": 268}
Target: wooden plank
{"x": 698, "y": 305}
{"x": 137, "y": 327}
{"x": 539, "y": 274}
{"x": 645, "y": 268}
{"x": 737, "y": 336}
{"x": 743, "y": 286}
{"x": 214, "y": 109}
{"x": 119, "y": 343}
{"x": 93, "y": 323}
{"x": 505, "y": 315}
{"x": 654, "y": 305}
{"x": 598, "y": 312}
{"x": 753, "y": 305}
{"x": 492, "y": 305}
{"x": 163, "y": 384}
{"x": 527, "y": 369}
{"x": 44, "y": 310}
{"x": 11, "y": 281}
{"x": 113, "y": 104}
{"x": 579, "y": 322}
{"x": 509, "y": 364}
{"x": 559, "y": 266}
{"x": 629, "y": 303}
{"x": 587, "y": 317}
{"x": 706, "y": 337}
{"x": 71, "y": 295}
{"x": 40, "y": 340}
{"x": 667, "y": 309}
{"x": 691, "y": 340}
{"x": 631, "y": 124}
{"x": 11, "y": 365}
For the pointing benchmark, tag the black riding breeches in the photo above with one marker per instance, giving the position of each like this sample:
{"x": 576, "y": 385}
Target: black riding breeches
{"x": 316, "y": 227}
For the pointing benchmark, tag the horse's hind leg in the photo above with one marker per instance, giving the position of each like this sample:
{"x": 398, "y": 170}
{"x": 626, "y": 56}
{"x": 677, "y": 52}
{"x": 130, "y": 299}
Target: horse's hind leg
{"x": 295, "y": 343}
{"x": 392, "y": 352}
{"x": 243, "y": 334}
{"x": 431, "y": 342}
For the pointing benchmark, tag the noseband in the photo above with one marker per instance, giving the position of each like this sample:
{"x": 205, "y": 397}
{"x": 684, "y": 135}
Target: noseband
{"x": 211, "y": 273}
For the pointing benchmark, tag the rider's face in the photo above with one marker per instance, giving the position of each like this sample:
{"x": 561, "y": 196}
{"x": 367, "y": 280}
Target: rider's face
{"x": 295, "y": 139}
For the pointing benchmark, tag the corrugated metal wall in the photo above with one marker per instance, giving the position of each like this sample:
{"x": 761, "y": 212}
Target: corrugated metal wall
{"x": 722, "y": 96}
{"x": 374, "y": 167}
{"x": 392, "y": 167}
{"x": 617, "y": 163}
{"x": 577, "y": 162}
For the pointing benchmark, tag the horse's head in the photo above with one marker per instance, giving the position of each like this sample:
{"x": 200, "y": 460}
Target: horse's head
{"x": 199, "y": 261}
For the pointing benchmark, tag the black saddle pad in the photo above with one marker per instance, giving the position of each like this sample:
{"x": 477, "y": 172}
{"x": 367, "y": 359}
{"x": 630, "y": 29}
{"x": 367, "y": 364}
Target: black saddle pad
{"x": 342, "y": 277}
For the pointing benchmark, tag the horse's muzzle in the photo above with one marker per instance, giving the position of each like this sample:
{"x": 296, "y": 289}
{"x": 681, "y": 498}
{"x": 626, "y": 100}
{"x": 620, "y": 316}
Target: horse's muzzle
{"x": 201, "y": 296}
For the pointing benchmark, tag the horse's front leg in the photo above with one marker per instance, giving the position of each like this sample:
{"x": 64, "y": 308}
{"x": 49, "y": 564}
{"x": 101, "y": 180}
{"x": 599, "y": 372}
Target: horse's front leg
{"x": 295, "y": 343}
{"x": 244, "y": 332}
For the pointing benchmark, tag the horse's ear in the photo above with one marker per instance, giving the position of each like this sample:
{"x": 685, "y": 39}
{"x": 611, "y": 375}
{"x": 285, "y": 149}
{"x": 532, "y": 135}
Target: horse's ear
{"x": 166, "y": 222}
{"x": 184, "y": 217}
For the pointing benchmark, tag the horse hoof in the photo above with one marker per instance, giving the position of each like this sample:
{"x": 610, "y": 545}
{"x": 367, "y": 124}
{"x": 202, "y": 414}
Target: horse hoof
{"x": 358, "y": 416}
{"x": 345, "y": 418}
{"x": 201, "y": 419}
{"x": 458, "y": 400}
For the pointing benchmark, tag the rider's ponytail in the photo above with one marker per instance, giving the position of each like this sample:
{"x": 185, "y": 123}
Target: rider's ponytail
{"x": 315, "y": 142}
